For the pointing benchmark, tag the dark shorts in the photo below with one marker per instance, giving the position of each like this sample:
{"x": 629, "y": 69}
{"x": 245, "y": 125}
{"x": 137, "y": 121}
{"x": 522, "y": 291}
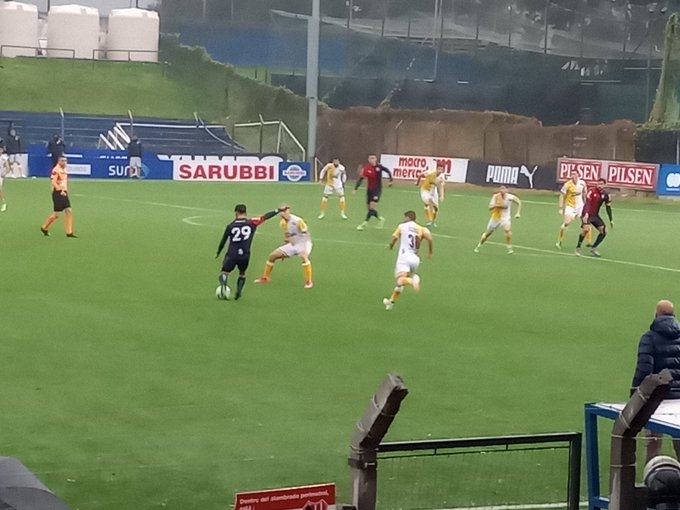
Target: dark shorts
{"x": 60, "y": 201}
{"x": 595, "y": 221}
{"x": 231, "y": 262}
{"x": 373, "y": 195}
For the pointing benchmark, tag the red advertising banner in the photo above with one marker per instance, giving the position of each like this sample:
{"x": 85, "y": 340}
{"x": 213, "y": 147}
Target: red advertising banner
{"x": 590, "y": 170}
{"x": 310, "y": 497}
{"x": 632, "y": 175}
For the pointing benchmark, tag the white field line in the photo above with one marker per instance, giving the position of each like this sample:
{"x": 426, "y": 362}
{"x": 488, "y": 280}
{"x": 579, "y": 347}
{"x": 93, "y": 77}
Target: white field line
{"x": 528, "y": 248}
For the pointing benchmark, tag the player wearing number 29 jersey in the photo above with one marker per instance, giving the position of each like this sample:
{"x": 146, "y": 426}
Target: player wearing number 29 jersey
{"x": 409, "y": 235}
{"x": 240, "y": 234}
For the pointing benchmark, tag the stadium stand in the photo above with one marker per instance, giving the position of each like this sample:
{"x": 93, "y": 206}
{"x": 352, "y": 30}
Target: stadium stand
{"x": 158, "y": 135}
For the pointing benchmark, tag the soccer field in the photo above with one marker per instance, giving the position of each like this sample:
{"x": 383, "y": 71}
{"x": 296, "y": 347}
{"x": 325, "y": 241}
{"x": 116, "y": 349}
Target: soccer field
{"x": 126, "y": 384}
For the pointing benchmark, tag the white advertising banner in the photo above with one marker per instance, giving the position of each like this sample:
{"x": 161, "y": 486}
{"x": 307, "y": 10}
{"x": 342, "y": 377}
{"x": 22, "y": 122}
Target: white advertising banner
{"x": 411, "y": 167}
{"x": 226, "y": 168}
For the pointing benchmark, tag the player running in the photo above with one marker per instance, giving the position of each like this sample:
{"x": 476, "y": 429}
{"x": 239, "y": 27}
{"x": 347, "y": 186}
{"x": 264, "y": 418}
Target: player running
{"x": 431, "y": 192}
{"x": 334, "y": 176}
{"x": 240, "y": 234}
{"x": 372, "y": 172}
{"x": 591, "y": 216}
{"x": 298, "y": 243}
{"x": 571, "y": 203}
{"x": 409, "y": 234}
{"x": 4, "y": 170}
{"x": 500, "y": 206}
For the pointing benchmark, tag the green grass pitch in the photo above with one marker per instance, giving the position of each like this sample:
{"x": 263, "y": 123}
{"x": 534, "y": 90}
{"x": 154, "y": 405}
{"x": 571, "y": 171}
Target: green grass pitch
{"x": 126, "y": 384}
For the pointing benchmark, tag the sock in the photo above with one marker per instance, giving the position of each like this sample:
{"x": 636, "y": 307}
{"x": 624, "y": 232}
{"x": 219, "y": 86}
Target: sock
{"x": 343, "y": 205}
{"x": 508, "y": 241}
{"x": 223, "y": 278}
{"x": 562, "y": 230}
{"x": 368, "y": 215}
{"x": 324, "y": 204}
{"x": 396, "y": 293}
{"x": 307, "y": 270}
{"x": 435, "y": 212}
{"x": 599, "y": 239}
{"x": 268, "y": 268}
{"x": 589, "y": 236}
{"x": 580, "y": 240}
{"x": 427, "y": 212}
{"x": 404, "y": 281}
{"x": 240, "y": 283}
{"x": 68, "y": 223}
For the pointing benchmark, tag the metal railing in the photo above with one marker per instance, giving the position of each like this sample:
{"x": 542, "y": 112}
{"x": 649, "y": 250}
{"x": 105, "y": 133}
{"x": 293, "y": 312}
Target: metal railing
{"x": 442, "y": 447}
{"x": 40, "y": 51}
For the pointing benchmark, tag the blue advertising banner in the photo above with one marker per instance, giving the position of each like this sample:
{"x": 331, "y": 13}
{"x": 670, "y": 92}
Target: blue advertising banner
{"x": 668, "y": 183}
{"x": 295, "y": 171}
{"x": 98, "y": 164}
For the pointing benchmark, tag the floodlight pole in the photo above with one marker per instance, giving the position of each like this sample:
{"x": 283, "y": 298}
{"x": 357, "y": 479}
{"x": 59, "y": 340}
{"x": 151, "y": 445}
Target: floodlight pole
{"x": 312, "y": 91}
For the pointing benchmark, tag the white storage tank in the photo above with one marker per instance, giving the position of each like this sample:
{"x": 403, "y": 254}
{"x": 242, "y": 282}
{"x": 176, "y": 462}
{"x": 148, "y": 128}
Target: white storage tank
{"x": 18, "y": 27}
{"x": 133, "y": 35}
{"x": 73, "y": 27}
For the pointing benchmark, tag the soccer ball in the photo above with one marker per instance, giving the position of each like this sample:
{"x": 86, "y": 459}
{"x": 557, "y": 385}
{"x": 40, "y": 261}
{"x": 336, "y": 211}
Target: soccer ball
{"x": 219, "y": 294}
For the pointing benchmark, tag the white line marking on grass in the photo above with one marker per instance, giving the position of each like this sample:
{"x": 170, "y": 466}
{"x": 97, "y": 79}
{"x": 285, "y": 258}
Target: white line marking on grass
{"x": 157, "y": 204}
{"x": 585, "y": 256}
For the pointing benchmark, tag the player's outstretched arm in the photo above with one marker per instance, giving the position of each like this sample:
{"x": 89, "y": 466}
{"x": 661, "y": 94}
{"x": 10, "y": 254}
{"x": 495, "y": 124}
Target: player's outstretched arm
{"x": 359, "y": 181}
{"x": 223, "y": 241}
{"x": 519, "y": 207}
{"x": 608, "y": 208}
{"x": 561, "y": 203}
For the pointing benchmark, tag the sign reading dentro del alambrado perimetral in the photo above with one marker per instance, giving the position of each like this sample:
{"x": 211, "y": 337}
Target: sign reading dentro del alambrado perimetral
{"x": 516, "y": 176}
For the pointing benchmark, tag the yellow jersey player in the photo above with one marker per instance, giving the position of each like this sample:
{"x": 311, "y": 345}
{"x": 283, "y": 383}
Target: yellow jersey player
{"x": 431, "y": 192}
{"x": 409, "y": 235}
{"x": 333, "y": 175}
{"x": 298, "y": 243}
{"x": 500, "y": 206}
{"x": 571, "y": 203}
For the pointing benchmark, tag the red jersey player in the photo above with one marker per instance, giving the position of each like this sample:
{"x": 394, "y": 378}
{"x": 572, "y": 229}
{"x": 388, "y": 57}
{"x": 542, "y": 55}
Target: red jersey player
{"x": 372, "y": 172}
{"x": 591, "y": 216}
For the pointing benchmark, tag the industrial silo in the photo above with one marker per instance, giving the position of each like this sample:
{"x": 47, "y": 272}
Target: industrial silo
{"x": 73, "y": 27}
{"x": 18, "y": 27}
{"x": 133, "y": 35}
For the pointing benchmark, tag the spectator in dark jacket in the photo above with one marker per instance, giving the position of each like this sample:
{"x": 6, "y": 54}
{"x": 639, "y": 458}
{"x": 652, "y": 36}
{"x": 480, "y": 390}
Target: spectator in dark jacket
{"x": 134, "y": 150}
{"x": 659, "y": 348}
{"x": 13, "y": 149}
{"x": 56, "y": 147}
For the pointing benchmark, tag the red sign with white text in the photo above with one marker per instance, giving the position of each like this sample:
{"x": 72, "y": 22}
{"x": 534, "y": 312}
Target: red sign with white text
{"x": 590, "y": 170}
{"x": 226, "y": 168}
{"x": 632, "y": 175}
{"x": 310, "y": 497}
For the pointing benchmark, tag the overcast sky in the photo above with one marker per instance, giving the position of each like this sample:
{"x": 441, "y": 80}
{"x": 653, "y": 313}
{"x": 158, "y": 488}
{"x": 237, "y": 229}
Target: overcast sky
{"x": 104, "y": 6}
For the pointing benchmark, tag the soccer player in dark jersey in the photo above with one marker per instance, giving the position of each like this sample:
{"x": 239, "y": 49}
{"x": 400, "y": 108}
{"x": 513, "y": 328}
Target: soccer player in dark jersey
{"x": 372, "y": 172}
{"x": 591, "y": 216}
{"x": 240, "y": 233}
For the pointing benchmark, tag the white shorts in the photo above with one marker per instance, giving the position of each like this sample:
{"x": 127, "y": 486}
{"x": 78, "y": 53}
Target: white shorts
{"x": 573, "y": 211}
{"x": 136, "y": 161}
{"x": 406, "y": 263}
{"x": 431, "y": 196}
{"x": 291, "y": 250}
{"x": 494, "y": 224}
{"x": 334, "y": 188}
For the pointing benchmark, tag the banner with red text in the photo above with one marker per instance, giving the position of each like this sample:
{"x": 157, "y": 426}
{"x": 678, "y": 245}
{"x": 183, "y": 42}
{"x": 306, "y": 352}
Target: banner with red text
{"x": 411, "y": 167}
{"x": 310, "y": 497}
{"x": 619, "y": 174}
{"x": 226, "y": 168}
